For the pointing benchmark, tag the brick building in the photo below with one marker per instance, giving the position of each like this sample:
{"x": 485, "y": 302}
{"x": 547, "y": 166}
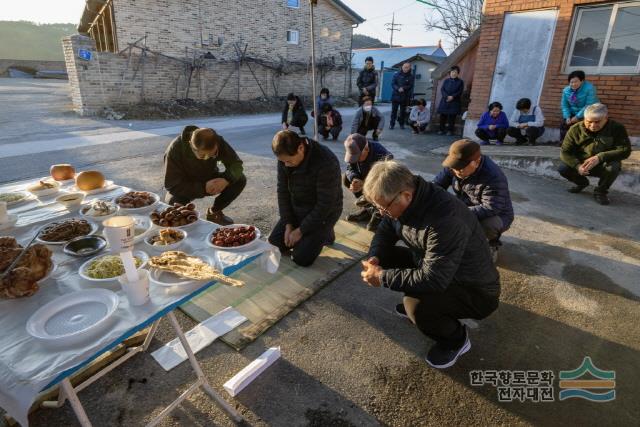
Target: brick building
{"x": 527, "y": 48}
{"x": 190, "y": 48}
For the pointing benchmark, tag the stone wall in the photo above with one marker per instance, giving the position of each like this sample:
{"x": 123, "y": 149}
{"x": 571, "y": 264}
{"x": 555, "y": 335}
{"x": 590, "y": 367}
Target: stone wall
{"x": 37, "y": 65}
{"x": 171, "y": 26}
{"x": 117, "y": 80}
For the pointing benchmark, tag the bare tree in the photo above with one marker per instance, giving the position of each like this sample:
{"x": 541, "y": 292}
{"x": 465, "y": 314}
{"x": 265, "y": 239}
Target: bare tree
{"x": 455, "y": 18}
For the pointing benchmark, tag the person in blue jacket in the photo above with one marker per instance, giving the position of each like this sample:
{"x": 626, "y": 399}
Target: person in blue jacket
{"x": 402, "y": 85}
{"x": 481, "y": 185}
{"x": 450, "y": 104}
{"x": 360, "y": 156}
{"x": 493, "y": 124}
{"x": 577, "y": 96}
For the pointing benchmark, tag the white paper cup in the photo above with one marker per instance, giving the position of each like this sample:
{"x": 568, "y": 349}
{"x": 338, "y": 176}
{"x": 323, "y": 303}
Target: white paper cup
{"x": 137, "y": 292}
{"x": 119, "y": 232}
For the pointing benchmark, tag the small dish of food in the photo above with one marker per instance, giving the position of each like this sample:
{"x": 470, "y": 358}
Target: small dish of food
{"x": 60, "y": 232}
{"x": 166, "y": 239}
{"x": 236, "y": 236}
{"x": 44, "y": 187}
{"x": 137, "y": 201}
{"x": 107, "y": 268}
{"x": 71, "y": 200}
{"x": 84, "y": 246}
{"x": 142, "y": 227}
{"x": 99, "y": 210}
{"x": 13, "y": 198}
{"x": 176, "y": 216}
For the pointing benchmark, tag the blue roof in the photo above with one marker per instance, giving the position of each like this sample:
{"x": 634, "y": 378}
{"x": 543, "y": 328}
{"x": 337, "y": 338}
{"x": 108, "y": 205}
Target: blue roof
{"x": 393, "y": 55}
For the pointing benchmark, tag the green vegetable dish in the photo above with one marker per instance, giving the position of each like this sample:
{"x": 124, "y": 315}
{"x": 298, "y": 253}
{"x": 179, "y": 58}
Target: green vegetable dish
{"x": 108, "y": 267}
{"x": 11, "y": 197}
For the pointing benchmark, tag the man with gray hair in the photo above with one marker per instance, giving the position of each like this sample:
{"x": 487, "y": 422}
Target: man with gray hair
{"x": 445, "y": 271}
{"x": 594, "y": 147}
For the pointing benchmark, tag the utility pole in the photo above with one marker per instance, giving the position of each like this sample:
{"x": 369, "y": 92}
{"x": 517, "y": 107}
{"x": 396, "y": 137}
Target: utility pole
{"x": 391, "y": 26}
{"x": 312, "y": 3}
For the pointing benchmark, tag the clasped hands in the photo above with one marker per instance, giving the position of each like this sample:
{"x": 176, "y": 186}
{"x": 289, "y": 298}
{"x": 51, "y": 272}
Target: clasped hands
{"x": 216, "y": 186}
{"x": 291, "y": 236}
{"x": 372, "y": 272}
{"x": 588, "y": 164}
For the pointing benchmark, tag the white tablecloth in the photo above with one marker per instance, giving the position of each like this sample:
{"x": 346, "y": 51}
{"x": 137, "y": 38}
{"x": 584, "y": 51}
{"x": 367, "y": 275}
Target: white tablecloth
{"x": 27, "y": 366}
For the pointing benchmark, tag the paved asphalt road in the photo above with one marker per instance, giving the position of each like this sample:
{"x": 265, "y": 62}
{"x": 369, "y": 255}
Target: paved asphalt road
{"x": 569, "y": 271}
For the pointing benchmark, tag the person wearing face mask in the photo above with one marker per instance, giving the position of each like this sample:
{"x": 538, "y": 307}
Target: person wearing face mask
{"x": 482, "y": 186}
{"x": 576, "y": 96}
{"x": 444, "y": 266}
{"x": 594, "y": 147}
{"x": 294, "y": 114}
{"x": 493, "y": 124}
{"x": 450, "y": 103}
{"x": 367, "y": 80}
{"x": 309, "y": 196}
{"x": 191, "y": 171}
{"x": 402, "y": 85}
{"x": 368, "y": 118}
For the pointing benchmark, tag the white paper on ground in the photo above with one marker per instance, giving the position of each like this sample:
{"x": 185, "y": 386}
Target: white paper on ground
{"x": 243, "y": 378}
{"x": 172, "y": 354}
{"x": 269, "y": 259}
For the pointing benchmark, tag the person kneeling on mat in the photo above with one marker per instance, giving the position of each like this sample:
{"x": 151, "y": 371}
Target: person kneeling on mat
{"x": 445, "y": 270}
{"x": 309, "y": 196}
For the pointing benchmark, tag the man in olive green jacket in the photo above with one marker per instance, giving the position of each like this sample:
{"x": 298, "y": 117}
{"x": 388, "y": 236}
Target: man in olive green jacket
{"x": 594, "y": 147}
{"x": 191, "y": 171}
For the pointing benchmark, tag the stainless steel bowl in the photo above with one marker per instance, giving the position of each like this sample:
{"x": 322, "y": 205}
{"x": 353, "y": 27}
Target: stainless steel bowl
{"x": 84, "y": 246}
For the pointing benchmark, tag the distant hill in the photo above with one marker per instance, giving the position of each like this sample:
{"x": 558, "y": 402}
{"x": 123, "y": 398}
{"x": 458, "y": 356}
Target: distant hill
{"x": 360, "y": 41}
{"x": 28, "y": 40}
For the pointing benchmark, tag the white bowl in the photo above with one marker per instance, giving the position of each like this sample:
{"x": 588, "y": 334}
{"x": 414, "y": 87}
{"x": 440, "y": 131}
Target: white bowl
{"x": 163, "y": 248}
{"x": 156, "y": 201}
{"x": 46, "y": 191}
{"x": 71, "y": 318}
{"x": 83, "y": 268}
{"x": 142, "y": 222}
{"x": 232, "y": 248}
{"x": 94, "y": 228}
{"x": 181, "y": 227}
{"x": 25, "y": 196}
{"x": 71, "y": 203}
{"x": 97, "y": 219}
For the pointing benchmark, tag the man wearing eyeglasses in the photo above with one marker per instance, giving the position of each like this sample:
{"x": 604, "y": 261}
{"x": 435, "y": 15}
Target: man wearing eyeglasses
{"x": 482, "y": 186}
{"x": 445, "y": 270}
{"x": 191, "y": 171}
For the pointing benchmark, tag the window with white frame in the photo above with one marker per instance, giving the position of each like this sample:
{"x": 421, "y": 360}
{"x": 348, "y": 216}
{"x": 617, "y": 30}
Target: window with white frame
{"x": 606, "y": 39}
{"x": 293, "y": 36}
{"x": 293, "y": 3}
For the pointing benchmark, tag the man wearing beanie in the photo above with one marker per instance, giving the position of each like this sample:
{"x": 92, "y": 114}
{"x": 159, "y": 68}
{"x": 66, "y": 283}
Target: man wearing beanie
{"x": 481, "y": 185}
{"x": 360, "y": 155}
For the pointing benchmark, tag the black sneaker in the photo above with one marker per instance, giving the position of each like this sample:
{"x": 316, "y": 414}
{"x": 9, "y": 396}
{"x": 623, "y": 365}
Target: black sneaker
{"x": 401, "y": 311}
{"x": 361, "y": 215}
{"x": 441, "y": 358}
{"x": 450, "y": 133}
{"x": 374, "y": 221}
{"x": 577, "y": 188}
{"x": 601, "y": 198}
{"x": 440, "y": 132}
{"x": 391, "y": 126}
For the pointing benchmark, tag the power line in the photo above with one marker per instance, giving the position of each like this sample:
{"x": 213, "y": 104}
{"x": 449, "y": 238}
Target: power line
{"x": 391, "y": 26}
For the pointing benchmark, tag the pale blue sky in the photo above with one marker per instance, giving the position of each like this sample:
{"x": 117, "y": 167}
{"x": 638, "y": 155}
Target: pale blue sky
{"x": 409, "y": 13}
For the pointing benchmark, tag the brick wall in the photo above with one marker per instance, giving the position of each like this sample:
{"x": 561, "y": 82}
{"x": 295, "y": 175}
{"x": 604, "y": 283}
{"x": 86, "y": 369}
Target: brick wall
{"x": 112, "y": 80}
{"x": 173, "y": 25}
{"x": 620, "y": 93}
